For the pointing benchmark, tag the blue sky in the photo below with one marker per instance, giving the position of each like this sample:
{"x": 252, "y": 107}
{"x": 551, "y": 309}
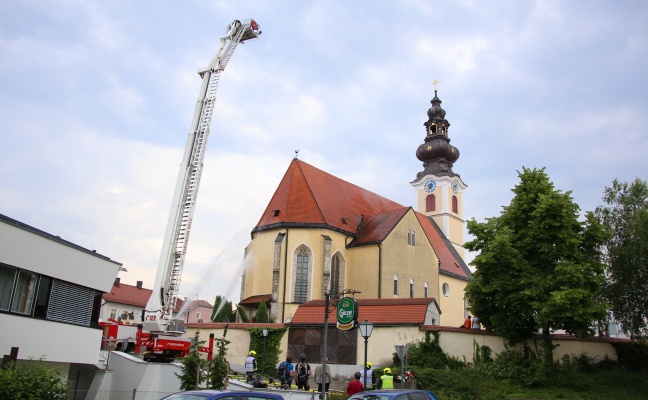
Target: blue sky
{"x": 96, "y": 100}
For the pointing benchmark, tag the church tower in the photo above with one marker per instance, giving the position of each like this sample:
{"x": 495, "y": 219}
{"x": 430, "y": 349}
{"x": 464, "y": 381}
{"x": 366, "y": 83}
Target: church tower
{"x": 439, "y": 190}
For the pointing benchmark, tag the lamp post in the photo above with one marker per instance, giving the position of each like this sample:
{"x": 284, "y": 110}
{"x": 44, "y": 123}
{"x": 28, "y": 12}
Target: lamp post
{"x": 265, "y": 339}
{"x": 365, "y": 331}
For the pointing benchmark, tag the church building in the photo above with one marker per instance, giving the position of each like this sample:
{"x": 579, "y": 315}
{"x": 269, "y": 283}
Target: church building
{"x": 320, "y": 234}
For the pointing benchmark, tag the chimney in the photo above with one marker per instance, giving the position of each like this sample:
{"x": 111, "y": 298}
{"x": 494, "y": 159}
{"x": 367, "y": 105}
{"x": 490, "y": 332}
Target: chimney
{"x": 139, "y": 284}
{"x": 117, "y": 281}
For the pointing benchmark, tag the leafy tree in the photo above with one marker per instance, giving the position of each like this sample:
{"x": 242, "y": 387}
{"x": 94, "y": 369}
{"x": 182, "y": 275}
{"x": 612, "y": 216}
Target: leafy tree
{"x": 262, "y": 312}
{"x": 219, "y": 366}
{"x": 626, "y": 214}
{"x": 191, "y": 376}
{"x": 538, "y": 267}
{"x": 31, "y": 381}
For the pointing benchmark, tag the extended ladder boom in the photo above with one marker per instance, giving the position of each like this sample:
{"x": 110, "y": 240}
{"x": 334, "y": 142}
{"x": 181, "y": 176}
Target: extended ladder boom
{"x": 158, "y": 316}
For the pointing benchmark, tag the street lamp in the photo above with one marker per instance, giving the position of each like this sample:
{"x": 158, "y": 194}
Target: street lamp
{"x": 365, "y": 330}
{"x": 265, "y": 339}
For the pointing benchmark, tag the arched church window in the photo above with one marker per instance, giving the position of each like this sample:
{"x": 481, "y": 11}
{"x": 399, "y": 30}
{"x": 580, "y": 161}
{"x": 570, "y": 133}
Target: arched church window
{"x": 430, "y": 203}
{"x": 426, "y": 290}
{"x": 411, "y": 288}
{"x": 301, "y": 276}
{"x": 396, "y": 288}
{"x": 409, "y": 236}
{"x": 413, "y": 238}
{"x": 455, "y": 205}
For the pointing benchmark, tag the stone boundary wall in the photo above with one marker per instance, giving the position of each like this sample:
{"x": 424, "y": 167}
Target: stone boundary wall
{"x": 455, "y": 342}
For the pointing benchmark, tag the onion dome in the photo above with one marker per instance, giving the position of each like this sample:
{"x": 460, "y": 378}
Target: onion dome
{"x": 436, "y": 112}
{"x": 437, "y": 154}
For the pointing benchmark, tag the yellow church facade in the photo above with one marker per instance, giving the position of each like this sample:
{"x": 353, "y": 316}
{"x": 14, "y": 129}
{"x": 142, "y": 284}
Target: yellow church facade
{"x": 320, "y": 234}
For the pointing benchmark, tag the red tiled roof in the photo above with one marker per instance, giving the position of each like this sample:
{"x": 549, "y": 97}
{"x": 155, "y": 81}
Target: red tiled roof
{"x": 451, "y": 263}
{"x": 378, "y": 311}
{"x": 257, "y": 299}
{"x": 375, "y": 228}
{"x": 128, "y": 294}
{"x": 194, "y": 304}
{"x": 134, "y": 296}
{"x": 307, "y": 195}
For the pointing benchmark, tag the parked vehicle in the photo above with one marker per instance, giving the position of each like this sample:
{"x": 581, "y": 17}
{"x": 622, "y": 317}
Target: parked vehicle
{"x": 395, "y": 394}
{"x": 222, "y": 395}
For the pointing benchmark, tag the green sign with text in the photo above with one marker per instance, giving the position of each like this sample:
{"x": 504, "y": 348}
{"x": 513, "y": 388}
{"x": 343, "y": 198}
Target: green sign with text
{"x": 347, "y": 313}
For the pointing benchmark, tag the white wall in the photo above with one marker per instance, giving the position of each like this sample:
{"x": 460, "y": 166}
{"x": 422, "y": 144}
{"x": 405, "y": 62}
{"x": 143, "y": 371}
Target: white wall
{"x": 55, "y": 341}
{"x": 36, "y": 253}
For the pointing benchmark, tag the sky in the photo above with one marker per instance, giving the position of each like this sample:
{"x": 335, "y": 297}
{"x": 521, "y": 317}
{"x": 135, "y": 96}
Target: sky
{"x": 96, "y": 101}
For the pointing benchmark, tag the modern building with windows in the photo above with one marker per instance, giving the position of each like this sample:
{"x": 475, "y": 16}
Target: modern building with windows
{"x": 320, "y": 234}
{"x": 50, "y": 298}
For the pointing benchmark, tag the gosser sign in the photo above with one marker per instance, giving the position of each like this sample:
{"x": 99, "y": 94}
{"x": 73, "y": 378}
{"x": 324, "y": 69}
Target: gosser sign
{"x": 347, "y": 314}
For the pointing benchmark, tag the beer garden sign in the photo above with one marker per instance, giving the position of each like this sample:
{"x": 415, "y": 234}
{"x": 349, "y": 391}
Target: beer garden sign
{"x": 347, "y": 314}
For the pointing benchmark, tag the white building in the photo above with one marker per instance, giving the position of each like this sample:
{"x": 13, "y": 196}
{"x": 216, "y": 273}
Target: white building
{"x": 50, "y": 297}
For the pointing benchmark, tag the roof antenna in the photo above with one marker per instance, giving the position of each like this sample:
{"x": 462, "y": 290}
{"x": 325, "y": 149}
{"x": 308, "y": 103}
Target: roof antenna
{"x": 296, "y": 153}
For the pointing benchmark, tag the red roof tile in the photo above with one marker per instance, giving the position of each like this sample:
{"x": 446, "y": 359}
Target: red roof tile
{"x": 134, "y": 296}
{"x": 257, "y": 299}
{"x": 450, "y": 262}
{"x": 375, "y": 228}
{"x": 307, "y": 195}
{"x": 128, "y": 294}
{"x": 378, "y": 311}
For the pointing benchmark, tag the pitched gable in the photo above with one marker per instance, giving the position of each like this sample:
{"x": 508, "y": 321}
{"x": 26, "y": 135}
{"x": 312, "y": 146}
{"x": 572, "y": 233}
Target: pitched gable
{"x": 375, "y": 228}
{"x": 308, "y": 196}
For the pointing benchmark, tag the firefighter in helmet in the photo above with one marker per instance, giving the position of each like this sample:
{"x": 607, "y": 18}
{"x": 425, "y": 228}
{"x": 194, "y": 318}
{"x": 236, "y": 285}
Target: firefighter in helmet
{"x": 250, "y": 366}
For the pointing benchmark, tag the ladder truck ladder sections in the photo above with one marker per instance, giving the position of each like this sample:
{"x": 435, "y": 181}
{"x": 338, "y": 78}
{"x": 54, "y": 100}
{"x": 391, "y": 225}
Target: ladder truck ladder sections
{"x": 159, "y": 310}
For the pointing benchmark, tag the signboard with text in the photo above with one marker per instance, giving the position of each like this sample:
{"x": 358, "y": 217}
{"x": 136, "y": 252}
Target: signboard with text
{"x": 347, "y": 314}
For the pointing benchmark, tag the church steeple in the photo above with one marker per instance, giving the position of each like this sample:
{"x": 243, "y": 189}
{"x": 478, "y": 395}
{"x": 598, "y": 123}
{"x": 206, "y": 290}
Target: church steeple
{"x": 437, "y": 154}
{"x": 439, "y": 190}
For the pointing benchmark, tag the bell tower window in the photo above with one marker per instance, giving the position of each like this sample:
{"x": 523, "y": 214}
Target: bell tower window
{"x": 455, "y": 205}
{"x": 430, "y": 203}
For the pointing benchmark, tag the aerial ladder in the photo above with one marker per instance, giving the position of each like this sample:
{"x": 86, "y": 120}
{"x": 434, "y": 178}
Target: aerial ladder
{"x": 158, "y": 335}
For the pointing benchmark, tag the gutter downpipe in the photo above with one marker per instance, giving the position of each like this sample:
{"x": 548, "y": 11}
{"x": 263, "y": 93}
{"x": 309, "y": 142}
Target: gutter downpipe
{"x": 283, "y": 302}
{"x": 379, "y": 270}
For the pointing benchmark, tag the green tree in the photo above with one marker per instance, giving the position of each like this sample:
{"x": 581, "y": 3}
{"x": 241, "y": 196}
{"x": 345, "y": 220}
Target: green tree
{"x": 219, "y": 366}
{"x": 242, "y": 315}
{"x": 262, "y": 313}
{"x": 626, "y": 214}
{"x": 222, "y": 311}
{"x": 192, "y": 364}
{"x": 539, "y": 268}
{"x": 31, "y": 381}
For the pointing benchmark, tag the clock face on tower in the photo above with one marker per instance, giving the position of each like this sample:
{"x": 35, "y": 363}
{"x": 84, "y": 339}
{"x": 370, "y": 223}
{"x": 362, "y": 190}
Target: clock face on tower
{"x": 455, "y": 187}
{"x": 429, "y": 186}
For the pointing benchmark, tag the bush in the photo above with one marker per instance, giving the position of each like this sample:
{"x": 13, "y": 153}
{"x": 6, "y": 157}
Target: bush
{"x": 32, "y": 381}
{"x": 632, "y": 355}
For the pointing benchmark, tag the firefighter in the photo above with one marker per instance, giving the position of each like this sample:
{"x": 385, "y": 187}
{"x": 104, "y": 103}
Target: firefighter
{"x": 250, "y": 366}
{"x": 386, "y": 380}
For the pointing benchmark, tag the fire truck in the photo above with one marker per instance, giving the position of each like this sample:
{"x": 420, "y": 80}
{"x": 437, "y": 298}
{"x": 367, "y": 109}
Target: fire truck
{"x": 158, "y": 337}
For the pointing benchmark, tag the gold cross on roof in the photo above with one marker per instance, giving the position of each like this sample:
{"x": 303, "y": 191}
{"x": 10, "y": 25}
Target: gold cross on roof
{"x": 435, "y": 83}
